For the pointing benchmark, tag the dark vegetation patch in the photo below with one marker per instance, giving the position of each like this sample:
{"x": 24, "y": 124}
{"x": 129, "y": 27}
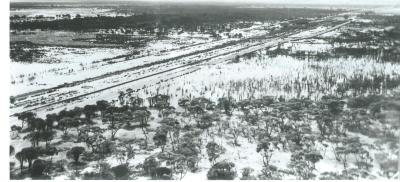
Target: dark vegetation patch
{"x": 26, "y": 52}
{"x": 187, "y": 19}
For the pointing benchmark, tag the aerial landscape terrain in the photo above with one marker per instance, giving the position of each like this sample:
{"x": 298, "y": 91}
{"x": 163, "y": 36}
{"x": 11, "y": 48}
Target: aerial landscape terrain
{"x": 145, "y": 90}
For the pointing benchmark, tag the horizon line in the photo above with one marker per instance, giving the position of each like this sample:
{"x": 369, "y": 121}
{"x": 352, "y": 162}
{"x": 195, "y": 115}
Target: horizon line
{"x": 272, "y": 2}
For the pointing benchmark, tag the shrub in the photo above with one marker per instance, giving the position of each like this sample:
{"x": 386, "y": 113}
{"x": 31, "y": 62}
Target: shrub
{"x": 60, "y": 165}
{"x": 389, "y": 167}
{"x": 363, "y": 102}
{"x": 150, "y": 164}
{"x": 121, "y": 172}
{"x": 214, "y": 151}
{"x": 270, "y": 172}
{"x": 16, "y": 128}
{"x": 38, "y": 167}
{"x": 331, "y": 176}
{"x": 162, "y": 173}
{"x": 222, "y": 171}
{"x": 75, "y": 152}
{"x": 47, "y": 151}
{"x": 106, "y": 148}
{"x": 246, "y": 174}
{"x": 160, "y": 139}
{"x": 96, "y": 176}
{"x": 104, "y": 173}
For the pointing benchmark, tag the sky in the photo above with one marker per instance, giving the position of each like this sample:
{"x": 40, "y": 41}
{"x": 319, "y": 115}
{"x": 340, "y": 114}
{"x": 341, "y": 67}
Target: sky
{"x": 327, "y": 2}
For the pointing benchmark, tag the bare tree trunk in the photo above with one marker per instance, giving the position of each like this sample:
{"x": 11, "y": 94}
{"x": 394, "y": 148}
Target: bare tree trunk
{"x": 21, "y": 162}
{"x": 398, "y": 164}
{"x": 113, "y": 135}
{"x": 145, "y": 136}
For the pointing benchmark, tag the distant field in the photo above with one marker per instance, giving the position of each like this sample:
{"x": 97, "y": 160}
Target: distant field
{"x": 388, "y": 11}
{"x": 59, "y": 38}
{"x": 85, "y": 12}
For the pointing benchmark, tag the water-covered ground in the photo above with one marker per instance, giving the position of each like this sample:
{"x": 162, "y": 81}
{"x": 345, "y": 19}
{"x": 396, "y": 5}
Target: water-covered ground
{"x": 261, "y": 74}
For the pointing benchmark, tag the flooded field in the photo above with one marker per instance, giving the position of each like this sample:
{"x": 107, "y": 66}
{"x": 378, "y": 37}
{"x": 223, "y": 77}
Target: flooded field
{"x": 262, "y": 74}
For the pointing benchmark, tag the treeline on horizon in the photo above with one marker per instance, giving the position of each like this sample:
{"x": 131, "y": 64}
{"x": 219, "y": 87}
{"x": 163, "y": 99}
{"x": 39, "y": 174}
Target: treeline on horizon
{"x": 186, "y": 18}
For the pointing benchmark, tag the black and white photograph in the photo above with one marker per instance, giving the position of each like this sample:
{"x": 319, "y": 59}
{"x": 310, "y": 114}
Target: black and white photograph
{"x": 201, "y": 90}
